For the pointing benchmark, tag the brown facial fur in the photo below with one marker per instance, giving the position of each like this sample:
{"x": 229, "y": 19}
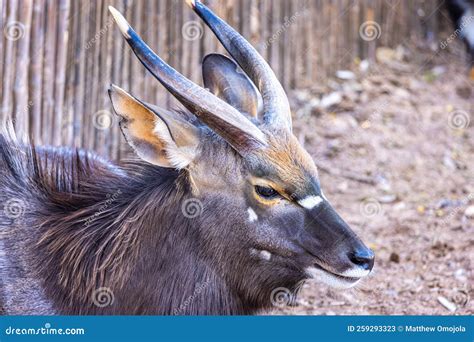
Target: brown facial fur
{"x": 286, "y": 166}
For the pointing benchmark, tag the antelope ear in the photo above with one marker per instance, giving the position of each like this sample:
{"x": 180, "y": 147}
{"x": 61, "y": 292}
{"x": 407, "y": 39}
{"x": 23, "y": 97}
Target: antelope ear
{"x": 223, "y": 78}
{"x": 156, "y": 135}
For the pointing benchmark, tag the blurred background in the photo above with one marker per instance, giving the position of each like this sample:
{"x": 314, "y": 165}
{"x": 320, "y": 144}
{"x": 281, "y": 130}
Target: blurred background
{"x": 380, "y": 93}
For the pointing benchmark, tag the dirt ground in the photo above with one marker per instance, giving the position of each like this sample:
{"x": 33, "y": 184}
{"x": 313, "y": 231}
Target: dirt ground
{"x": 395, "y": 150}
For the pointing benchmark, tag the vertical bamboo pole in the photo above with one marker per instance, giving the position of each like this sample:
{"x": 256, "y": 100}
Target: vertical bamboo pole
{"x": 289, "y": 50}
{"x": 3, "y": 13}
{"x": 60, "y": 73}
{"x": 261, "y": 21}
{"x": 276, "y": 23}
{"x": 78, "y": 100}
{"x": 89, "y": 118}
{"x": 96, "y": 58}
{"x": 20, "y": 90}
{"x": 68, "y": 122}
{"x": 314, "y": 42}
{"x": 104, "y": 138}
{"x": 10, "y": 52}
{"x": 36, "y": 69}
{"x": 116, "y": 78}
{"x": 49, "y": 70}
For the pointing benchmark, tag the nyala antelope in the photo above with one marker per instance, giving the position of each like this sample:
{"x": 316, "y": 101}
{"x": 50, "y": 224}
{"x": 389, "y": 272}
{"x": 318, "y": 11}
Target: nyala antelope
{"x": 262, "y": 221}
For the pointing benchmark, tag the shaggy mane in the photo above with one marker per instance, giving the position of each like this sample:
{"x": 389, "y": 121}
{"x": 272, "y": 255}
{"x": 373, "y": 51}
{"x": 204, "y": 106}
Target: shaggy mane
{"x": 86, "y": 211}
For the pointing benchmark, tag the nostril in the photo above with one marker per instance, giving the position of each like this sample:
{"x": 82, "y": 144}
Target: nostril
{"x": 363, "y": 258}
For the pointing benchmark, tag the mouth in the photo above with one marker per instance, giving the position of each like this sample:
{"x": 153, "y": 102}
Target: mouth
{"x": 332, "y": 279}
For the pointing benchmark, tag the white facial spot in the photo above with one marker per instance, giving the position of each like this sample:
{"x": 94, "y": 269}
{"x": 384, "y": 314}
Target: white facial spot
{"x": 265, "y": 255}
{"x": 329, "y": 279}
{"x": 310, "y": 202}
{"x": 260, "y": 254}
{"x": 252, "y": 215}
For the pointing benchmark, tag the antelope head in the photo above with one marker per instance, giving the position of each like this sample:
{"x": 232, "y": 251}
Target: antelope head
{"x": 264, "y": 213}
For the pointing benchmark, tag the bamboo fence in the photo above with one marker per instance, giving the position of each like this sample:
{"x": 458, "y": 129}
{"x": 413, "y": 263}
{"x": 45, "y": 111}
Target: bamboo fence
{"x": 59, "y": 56}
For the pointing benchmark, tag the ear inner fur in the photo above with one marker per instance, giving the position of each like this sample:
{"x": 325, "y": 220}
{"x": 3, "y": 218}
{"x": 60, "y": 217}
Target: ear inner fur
{"x": 157, "y": 138}
{"x": 223, "y": 78}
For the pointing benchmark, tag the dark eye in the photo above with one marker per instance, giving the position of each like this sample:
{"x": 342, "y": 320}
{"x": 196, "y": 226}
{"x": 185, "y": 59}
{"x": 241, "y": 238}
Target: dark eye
{"x": 266, "y": 192}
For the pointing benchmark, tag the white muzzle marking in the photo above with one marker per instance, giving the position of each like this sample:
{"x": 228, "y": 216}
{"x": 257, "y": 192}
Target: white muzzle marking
{"x": 355, "y": 273}
{"x": 333, "y": 280}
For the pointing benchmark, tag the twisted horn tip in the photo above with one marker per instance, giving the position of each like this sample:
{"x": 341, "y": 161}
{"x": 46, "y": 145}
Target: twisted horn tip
{"x": 191, "y": 3}
{"x": 121, "y": 21}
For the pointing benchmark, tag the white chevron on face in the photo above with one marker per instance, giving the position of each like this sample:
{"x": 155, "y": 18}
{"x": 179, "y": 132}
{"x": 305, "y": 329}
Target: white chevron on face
{"x": 310, "y": 202}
